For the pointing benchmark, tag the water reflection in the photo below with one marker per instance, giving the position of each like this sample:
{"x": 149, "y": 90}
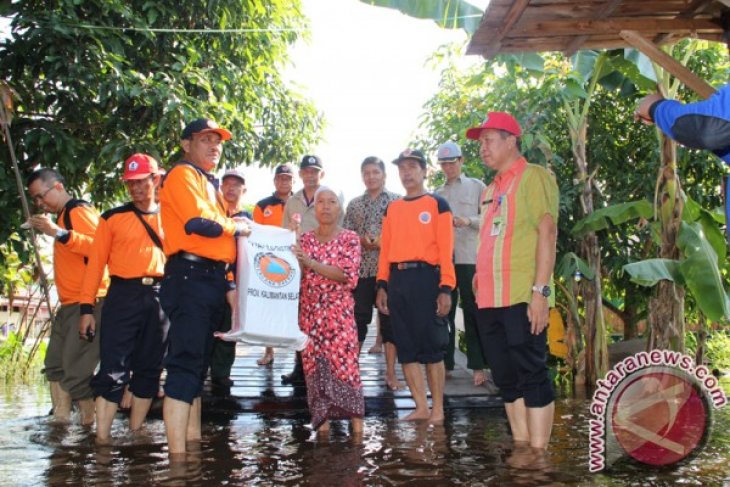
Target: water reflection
{"x": 472, "y": 448}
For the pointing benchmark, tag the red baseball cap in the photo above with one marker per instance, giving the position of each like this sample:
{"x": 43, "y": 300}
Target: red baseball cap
{"x": 496, "y": 120}
{"x": 139, "y": 166}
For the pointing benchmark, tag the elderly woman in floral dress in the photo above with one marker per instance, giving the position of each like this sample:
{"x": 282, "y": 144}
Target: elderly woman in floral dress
{"x": 330, "y": 259}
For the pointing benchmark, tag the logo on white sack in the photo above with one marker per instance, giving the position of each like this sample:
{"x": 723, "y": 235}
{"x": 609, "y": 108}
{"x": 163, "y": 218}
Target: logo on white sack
{"x": 272, "y": 269}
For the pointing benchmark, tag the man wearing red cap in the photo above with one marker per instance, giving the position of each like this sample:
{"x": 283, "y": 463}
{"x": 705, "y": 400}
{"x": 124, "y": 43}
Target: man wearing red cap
{"x": 515, "y": 261}
{"x": 199, "y": 245}
{"x": 70, "y": 358}
{"x": 129, "y": 241}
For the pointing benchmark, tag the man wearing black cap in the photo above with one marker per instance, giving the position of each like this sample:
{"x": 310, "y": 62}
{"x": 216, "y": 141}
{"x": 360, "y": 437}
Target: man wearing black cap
{"x": 302, "y": 203}
{"x": 200, "y": 245}
{"x": 415, "y": 279}
{"x": 270, "y": 211}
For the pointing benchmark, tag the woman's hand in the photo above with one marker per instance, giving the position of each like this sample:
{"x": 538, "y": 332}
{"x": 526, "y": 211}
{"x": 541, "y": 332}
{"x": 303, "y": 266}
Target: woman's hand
{"x": 302, "y": 257}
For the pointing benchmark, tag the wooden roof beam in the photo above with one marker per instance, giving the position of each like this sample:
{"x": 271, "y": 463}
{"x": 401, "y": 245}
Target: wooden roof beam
{"x": 514, "y": 14}
{"x": 691, "y": 80}
{"x": 695, "y": 8}
{"x": 608, "y": 8}
{"x": 611, "y": 26}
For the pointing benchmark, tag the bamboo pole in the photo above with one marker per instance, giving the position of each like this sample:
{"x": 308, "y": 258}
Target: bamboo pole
{"x": 5, "y": 120}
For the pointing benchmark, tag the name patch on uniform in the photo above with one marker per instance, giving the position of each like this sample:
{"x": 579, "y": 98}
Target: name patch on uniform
{"x": 424, "y": 217}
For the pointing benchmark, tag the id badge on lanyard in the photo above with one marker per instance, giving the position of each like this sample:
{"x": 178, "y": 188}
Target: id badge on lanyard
{"x": 496, "y": 226}
{"x": 497, "y": 221}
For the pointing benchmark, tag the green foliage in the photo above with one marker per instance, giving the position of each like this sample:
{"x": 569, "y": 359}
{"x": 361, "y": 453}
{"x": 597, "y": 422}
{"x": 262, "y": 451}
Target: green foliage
{"x": 615, "y": 214}
{"x": 701, "y": 273}
{"x": 451, "y": 14}
{"x": 700, "y": 268}
{"x": 570, "y": 264}
{"x": 22, "y": 352}
{"x": 540, "y": 90}
{"x": 96, "y": 82}
{"x": 717, "y": 348}
{"x": 18, "y": 361}
{"x": 650, "y": 271}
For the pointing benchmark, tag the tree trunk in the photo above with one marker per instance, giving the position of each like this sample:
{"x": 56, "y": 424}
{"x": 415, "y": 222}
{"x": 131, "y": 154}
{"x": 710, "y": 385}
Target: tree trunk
{"x": 666, "y": 309}
{"x": 629, "y": 316}
{"x": 701, "y": 340}
{"x": 596, "y": 351}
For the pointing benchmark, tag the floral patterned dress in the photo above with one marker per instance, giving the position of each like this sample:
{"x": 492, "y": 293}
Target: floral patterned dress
{"x": 327, "y": 316}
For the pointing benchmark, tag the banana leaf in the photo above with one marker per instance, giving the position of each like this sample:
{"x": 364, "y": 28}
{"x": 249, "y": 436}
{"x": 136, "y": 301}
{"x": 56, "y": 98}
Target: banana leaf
{"x": 711, "y": 223}
{"x": 701, "y": 272}
{"x": 615, "y": 214}
{"x": 569, "y": 264}
{"x": 450, "y": 14}
{"x": 649, "y": 272}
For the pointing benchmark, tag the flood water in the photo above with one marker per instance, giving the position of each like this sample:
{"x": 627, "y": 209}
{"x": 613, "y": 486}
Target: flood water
{"x": 471, "y": 448}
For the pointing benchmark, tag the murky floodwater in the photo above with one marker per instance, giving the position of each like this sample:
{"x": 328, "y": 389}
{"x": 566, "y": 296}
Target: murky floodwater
{"x": 472, "y": 448}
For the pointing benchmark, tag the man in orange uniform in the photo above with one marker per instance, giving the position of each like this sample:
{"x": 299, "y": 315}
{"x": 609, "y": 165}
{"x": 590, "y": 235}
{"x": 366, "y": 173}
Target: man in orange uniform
{"x": 129, "y": 241}
{"x": 415, "y": 279}
{"x": 199, "y": 245}
{"x": 71, "y": 358}
{"x": 270, "y": 211}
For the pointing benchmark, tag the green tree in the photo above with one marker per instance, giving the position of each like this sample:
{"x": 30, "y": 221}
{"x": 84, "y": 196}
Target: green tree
{"x": 100, "y": 79}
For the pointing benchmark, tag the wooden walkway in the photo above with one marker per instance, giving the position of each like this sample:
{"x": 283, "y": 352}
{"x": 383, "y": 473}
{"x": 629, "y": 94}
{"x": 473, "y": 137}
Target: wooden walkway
{"x": 259, "y": 389}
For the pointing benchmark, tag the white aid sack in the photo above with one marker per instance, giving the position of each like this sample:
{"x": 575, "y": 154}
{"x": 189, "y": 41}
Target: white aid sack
{"x": 267, "y": 279}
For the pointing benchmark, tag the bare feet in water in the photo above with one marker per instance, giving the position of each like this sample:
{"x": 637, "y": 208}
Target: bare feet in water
{"x": 394, "y": 384}
{"x": 436, "y": 418}
{"x": 376, "y": 348}
{"x": 324, "y": 429}
{"x": 418, "y": 415}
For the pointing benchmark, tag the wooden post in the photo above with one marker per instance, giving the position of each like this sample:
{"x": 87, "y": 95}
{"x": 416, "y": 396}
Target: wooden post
{"x": 691, "y": 80}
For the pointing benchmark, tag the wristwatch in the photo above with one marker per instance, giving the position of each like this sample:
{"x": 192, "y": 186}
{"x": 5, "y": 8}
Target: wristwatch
{"x": 544, "y": 290}
{"x": 60, "y": 233}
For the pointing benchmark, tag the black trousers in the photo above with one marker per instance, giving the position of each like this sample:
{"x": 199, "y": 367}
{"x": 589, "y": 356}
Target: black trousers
{"x": 193, "y": 296}
{"x": 420, "y": 335}
{"x": 516, "y": 356}
{"x": 364, "y": 295}
{"x": 133, "y": 339}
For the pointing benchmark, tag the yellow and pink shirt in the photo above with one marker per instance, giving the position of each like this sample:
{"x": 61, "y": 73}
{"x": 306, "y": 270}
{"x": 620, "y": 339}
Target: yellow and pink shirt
{"x": 512, "y": 207}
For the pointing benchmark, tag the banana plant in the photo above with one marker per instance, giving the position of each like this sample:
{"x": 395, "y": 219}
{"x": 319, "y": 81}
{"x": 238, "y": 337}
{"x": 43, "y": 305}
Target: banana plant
{"x": 703, "y": 253}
